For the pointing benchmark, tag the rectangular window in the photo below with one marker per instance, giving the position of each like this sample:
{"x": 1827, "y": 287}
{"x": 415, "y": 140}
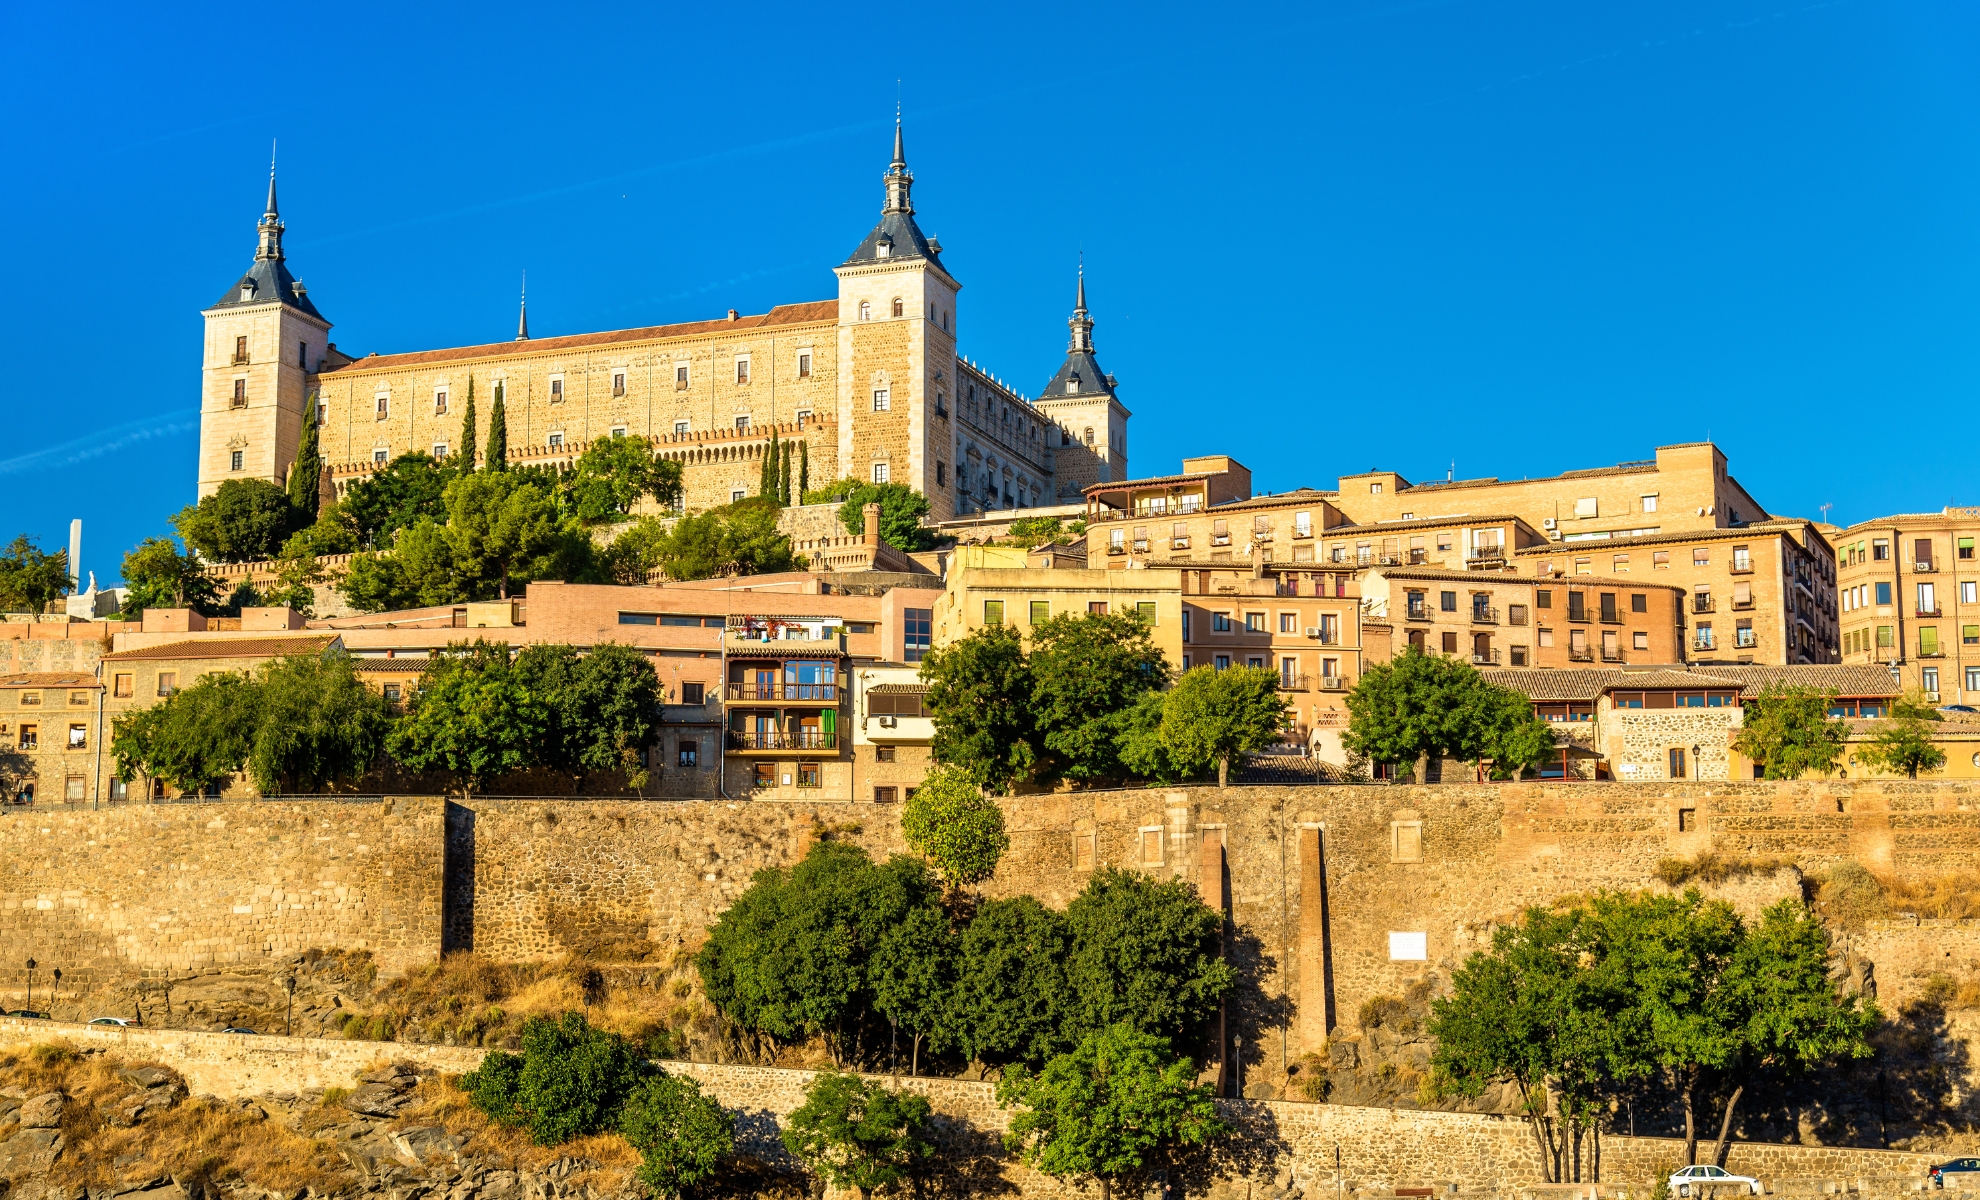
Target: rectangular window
{"x": 1254, "y": 622}
{"x": 121, "y": 687}
{"x": 1966, "y": 547}
{"x": 689, "y": 752}
{"x": 919, "y": 625}
{"x": 1880, "y": 549}
{"x": 1518, "y": 658}
{"x": 1619, "y": 565}
{"x": 234, "y": 459}
{"x": 680, "y": 428}
{"x": 1585, "y": 507}
{"x": 1660, "y": 560}
{"x": 440, "y": 402}
{"x": 1742, "y": 594}
{"x": 1928, "y": 600}
{"x": 439, "y": 450}
{"x": 1639, "y": 640}
{"x": 1743, "y": 637}
{"x": 680, "y": 377}
{"x": 1969, "y": 592}
{"x": 1923, "y": 549}
{"x": 1582, "y": 566}
{"x": 1677, "y": 763}
{"x": 1884, "y": 636}
{"x": 1543, "y": 598}
{"x": 1609, "y": 607}
{"x": 1639, "y": 602}
{"x": 804, "y": 364}
{"x": 993, "y": 612}
{"x": 742, "y": 371}
{"x": 1650, "y": 503}
{"x": 766, "y": 775}
{"x": 882, "y": 400}
{"x": 30, "y": 699}
{"x": 1701, "y": 557}
{"x": 556, "y": 389}
{"x": 240, "y": 393}
{"x": 240, "y": 350}
{"x": 618, "y": 383}
{"x": 1883, "y": 593}
{"x": 1969, "y": 635}
{"x": 557, "y": 440}
{"x": 1704, "y": 636}
{"x": 884, "y": 795}
{"x": 809, "y": 775}
{"x": 168, "y": 682}
{"x": 391, "y": 691}
{"x": 1577, "y": 606}
{"x": 1544, "y": 635}
{"x": 1928, "y": 640}
{"x": 1515, "y": 614}
{"x": 1288, "y": 622}
{"x": 1450, "y": 642}
{"x": 941, "y": 474}
{"x": 1742, "y": 559}
{"x": 1097, "y": 608}
{"x": 880, "y": 473}
{"x": 1303, "y": 525}
{"x": 1928, "y": 678}
{"x": 1185, "y": 624}
{"x": 30, "y": 737}
{"x": 1145, "y": 609}
{"x": 1220, "y": 622}
{"x": 380, "y": 455}
{"x": 1041, "y": 611}
{"x": 1223, "y": 662}
{"x": 1447, "y": 601}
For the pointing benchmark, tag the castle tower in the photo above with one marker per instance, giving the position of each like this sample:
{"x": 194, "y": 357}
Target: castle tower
{"x": 264, "y": 340}
{"x": 1081, "y": 401}
{"x": 897, "y": 349}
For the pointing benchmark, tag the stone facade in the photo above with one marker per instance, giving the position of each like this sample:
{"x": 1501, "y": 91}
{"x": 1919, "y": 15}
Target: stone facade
{"x": 1909, "y": 588}
{"x": 871, "y": 381}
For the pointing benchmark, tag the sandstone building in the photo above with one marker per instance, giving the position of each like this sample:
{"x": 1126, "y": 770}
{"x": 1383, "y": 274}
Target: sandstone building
{"x": 1909, "y": 595}
{"x": 872, "y": 381}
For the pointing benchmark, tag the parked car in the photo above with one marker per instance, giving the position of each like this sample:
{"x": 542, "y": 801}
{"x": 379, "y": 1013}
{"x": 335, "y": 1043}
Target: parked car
{"x": 126, "y": 1022}
{"x": 1954, "y": 1166}
{"x": 1696, "y": 1181}
{"x": 1959, "y": 708}
{"x": 29, "y": 1013}
{"x": 238, "y": 1029}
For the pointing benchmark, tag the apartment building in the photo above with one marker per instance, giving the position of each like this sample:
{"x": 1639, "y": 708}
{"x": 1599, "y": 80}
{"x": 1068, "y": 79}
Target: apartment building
{"x": 1498, "y": 618}
{"x": 1764, "y": 593}
{"x": 1909, "y": 591}
{"x": 892, "y": 730}
{"x": 1023, "y": 596}
{"x": 51, "y": 745}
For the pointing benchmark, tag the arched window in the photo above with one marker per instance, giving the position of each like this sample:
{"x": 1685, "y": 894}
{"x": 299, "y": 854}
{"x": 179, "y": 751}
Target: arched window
{"x": 898, "y": 310}
{"x": 865, "y": 311}
{"x": 1089, "y": 435}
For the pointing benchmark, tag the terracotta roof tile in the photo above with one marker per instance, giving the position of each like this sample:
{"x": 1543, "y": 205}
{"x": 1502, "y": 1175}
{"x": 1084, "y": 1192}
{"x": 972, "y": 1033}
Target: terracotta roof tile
{"x": 76, "y": 679}
{"x": 270, "y": 647}
{"x": 818, "y": 311}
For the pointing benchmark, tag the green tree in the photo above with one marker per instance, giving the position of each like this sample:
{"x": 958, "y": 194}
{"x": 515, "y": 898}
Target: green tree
{"x": 502, "y": 529}
{"x": 1419, "y": 705}
{"x": 158, "y": 575}
{"x": 497, "y": 458}
{"x": 949, "y": 822}
{"x": 1902, "y": 744}
{"x": 411, "y": 487}
{"x": 1118, "y": 1108}
{"x": 471, "y": 716}
{"x": 306, "y": 473}
{"x": 804, "y": 469}
{"x": 979, "y": 693}
{"x": 1788, "y": 729}
{"x": 316, "y": 723}
{"x": 297, "y": 573}
{"x": 741, "y": 538}
{"x": 1145, "y": 953}
{"x": 1143, "y": 752}
{"x": 855, "y": 1133}
{"x": 635, "y": 554}
{"x": 332, "y": 533}
{"x": 766, "y": 474}
{"x": 1010, "y": 992}
{"x": 1222, "y": 716}
{"x": 1085, "y": 670}
{"x": 29, "y": 580}
{"x": 1501, "y": 727}
{"x": 468, "y": 433}
{"x": 901, "y": 511}
{"x": 614, "y": 473}
{"x": 196, "y": 739}
{"x": 682, "y": 1136}
{"x": 570, "y": 1080}
{"x": 836, "y": 492}
{"x": 603, "y": 708}
{"x": 1037, "y": 531}
{"x": 418, "y": 571}
{"x": 244, "y": 521}
{"x": 912, "y": 977}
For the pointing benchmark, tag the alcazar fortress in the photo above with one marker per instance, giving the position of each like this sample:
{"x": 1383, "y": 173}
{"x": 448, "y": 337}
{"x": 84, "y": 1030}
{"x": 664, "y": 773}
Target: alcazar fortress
{"x": 872, "y": 380}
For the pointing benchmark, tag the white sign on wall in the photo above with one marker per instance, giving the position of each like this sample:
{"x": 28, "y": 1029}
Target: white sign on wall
{"x": 1409, "y": 947}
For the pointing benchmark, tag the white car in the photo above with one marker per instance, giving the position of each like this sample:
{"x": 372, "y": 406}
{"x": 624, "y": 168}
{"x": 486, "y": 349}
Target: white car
{"x": 1697, "y": 1181}
{"x": 125, "y": 1022}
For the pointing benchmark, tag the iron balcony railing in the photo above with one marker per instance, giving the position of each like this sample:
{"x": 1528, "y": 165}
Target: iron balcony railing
{"x": 820, "y": 692}
{"x": 1584, "y": 654}
{"x": 754, "y": 739}
{"x": 1485, "y": 658}
{"x": 1484, "y": 614}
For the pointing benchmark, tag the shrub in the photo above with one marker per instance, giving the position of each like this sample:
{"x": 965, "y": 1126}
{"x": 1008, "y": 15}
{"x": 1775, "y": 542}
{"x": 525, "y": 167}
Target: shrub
{"x": 856, "y": 1133}
{"x": 682, "y": 1135}
{"x": 570, "y": 1080}
{"x": 1710, "y": 867}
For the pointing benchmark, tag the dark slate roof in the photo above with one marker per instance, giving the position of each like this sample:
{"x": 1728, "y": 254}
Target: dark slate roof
{"x": 272, "y": 281}
{"x": 899, "y": 229}
{"x": 1092, "y": 379}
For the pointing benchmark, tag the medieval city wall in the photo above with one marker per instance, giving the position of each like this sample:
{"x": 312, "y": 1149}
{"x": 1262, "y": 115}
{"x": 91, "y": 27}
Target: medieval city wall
{"x": 1281, "y": 1148}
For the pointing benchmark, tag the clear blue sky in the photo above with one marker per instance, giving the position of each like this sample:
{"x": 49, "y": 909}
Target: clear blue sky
{"x": 1526, "y": 237}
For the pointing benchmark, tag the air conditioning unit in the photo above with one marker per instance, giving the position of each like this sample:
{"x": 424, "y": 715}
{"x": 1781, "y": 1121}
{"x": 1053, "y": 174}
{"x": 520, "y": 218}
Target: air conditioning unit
{"x": 889, "y": 722}
{"x": 1313, "y": 631}
{"x": 1549, "y": 523}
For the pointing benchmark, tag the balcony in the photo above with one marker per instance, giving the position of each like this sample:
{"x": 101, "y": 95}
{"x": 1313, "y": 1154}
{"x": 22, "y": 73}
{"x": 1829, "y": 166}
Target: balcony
{"x": 1611, "y": 656}
{"x": 1611, "y": 617}
{"x": 1181, "y": 543}
{"x": 1262, "y": 536}
{"x": 1485, "y": 554}
{"x": 1742, "y": 606}
{"x": 1484, "y": 614}
{"x": 1418, "y": 556}
{"x": 1295, "y": 682}
{"x": 1934, "y": 652}
{"x": 1220, "y": 539}
{"x": 240, "y": 360}
{"x": 1742, "y": 568}
{"x": 1333, "y": 683}
{"x": 1579, "y": 615}
{"x": 1116, "y": 548}
{"x": 1485, "y": 658}
{"x": 1704, "y": 604}
{"x": 1934, "y": 611}
{"x": 809, "y": 693}
{"x": 1704, "y": 643}
{"x": 1419, "y": 613}
{"x": 1583, "y": 654}
{"x": 1141, "y": 545}
{"x": 743, "y": 643}
{"x": 779, "y": 739}
{"x": 1926, "y": 567}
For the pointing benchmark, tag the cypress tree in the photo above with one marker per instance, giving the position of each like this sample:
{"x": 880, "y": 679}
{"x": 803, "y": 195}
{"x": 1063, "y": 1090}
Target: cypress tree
{"x": 498, "y": 435}
{"x": 468, "y": 434}
{"x": 784, "y": 483}
{"x": 804, "y": 469}
{"x": 767, "y": 485}
{"x": 308, "y": 467}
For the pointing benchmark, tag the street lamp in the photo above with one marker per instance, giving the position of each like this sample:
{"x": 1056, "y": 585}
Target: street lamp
{"x": 289, "y": 1022}
{"x": 30, "y": 996}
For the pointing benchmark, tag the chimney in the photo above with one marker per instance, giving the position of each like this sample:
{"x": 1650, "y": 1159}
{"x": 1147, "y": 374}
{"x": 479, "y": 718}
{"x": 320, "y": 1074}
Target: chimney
{"x": 872, "y": 512}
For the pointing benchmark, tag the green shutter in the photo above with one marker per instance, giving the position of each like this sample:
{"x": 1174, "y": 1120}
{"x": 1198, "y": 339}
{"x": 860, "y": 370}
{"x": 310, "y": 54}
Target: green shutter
{"x": 828, "y": 721}
{"x": 1928, "y": 640}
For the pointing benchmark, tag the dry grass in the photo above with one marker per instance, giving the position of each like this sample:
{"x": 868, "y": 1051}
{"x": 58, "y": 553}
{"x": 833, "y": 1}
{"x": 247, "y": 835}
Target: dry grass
{"x": 1848, "y": 895}
{"x": 469, "y": 1000}
{"x": 207, "y": 1141}
{"x": 1710, "y": 867}
{"x": 440, "y": 1102}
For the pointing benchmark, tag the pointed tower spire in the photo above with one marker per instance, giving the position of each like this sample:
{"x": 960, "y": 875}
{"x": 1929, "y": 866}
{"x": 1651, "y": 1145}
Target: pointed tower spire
{"x": 522, "y": 321}
{"x": 270, "y": 226}
{"x": 1081, "y": 324}
{"x": 900, "y": 180}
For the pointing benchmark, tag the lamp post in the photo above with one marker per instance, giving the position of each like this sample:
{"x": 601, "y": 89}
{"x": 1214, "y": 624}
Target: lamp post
{"x": 289, "y": 1022}
{"x": 30, "y": 996}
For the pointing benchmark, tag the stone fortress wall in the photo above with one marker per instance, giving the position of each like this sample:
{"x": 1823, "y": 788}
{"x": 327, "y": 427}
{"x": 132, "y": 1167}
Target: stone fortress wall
{"x": 1337, "y": 894}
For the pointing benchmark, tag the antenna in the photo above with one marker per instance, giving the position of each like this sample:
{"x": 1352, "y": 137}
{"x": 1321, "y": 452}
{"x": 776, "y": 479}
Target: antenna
{"x": 1825, "y": 512}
